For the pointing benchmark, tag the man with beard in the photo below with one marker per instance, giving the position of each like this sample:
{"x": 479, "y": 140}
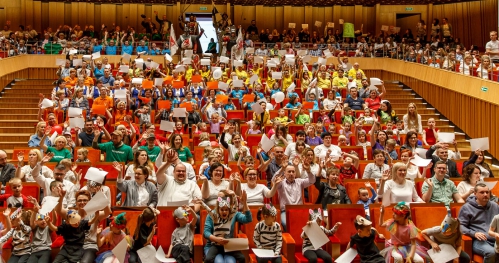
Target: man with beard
{"x": 85, "y": 138}
{"x": 116, "y": 150}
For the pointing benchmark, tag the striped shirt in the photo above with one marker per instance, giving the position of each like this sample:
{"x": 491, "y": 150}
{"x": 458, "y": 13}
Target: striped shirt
{"x": 20, "y": 240}
{"x": 268, "y": 237}
{"x": 307, "y": 245}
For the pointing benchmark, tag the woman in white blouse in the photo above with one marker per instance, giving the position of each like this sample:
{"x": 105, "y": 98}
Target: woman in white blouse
{"x": 24, "y": 171}
{"x": 485, "y": 67}
{"x": 471, "y": 175}
{"x": 466, "y": 67}
{"x": 256, "y": 192}
{"x": 401, "y": 189}
{"x": 281, "y": 137}
{"x": 212, "y": 187}
{"x": 308, "y": 160}
{"x": 375, "y": 170}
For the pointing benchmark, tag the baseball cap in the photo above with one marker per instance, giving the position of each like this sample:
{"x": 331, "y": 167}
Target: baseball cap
{"x": 362, "y": 221}
{"x": 180, "y": 213}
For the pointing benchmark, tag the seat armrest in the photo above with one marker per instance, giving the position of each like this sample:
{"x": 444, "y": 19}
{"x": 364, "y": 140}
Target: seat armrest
{"x": 198, "y": 247}
{"x": 467, "y": 243}
{"x": 245, "y": 252}
{"x": 288, "y": 247}
{"x": 334, "y": 246}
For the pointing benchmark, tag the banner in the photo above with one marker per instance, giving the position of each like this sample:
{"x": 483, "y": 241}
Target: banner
{"x": 348, "y": 30}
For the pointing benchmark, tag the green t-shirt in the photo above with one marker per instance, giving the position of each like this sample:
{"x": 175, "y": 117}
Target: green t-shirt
{"x": 184, "y": 154}
{"x": 302, "y": 119}
{"x": 51, "y": 48}
{"x": 123, "y": 153}
{"x": 59, "y": 155}
{"x": 152, "y": 153}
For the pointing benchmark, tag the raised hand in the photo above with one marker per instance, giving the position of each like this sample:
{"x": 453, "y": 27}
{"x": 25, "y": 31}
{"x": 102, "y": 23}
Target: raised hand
{"x": 118, "y": 166}
{"x": 47, "y": 157}
{"x": 386, "y": 175}
{"x": 20, "y": 157}
{"x": 368, "y": 185}
{"x": 429, "y": 182}
{"x": 6, "y": 212}
{"x": 244, "y": 197}
{"x": 62, "y": 191}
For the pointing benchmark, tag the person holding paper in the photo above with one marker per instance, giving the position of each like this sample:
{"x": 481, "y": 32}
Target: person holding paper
{"x": 60, "y": 152}
{"x": 471, "y": 176}
{"x": 268, "y": 233}
{"x": 79, "y": 230}
{"x": 443, "y": 156}
{"x": 476, "y": 217}
{"x": 234, "y": 147}
{"x": 438, "y": 189}
{"x": 406, "y": 156}
{"x": 308, "y": 251}
{"x": 355, "y": 70}
{"x": 111, "y": 237}
{"x": 401, "y": 189}
{"x": 219, "y": 228}
{"x": 477, "y": 158}
{"x": 139, "y": 191}
{"x": 42, "y": 227}
{"x": 183, "y": 236}
{"x": 107, "y": 78}
{"x": 449, "y": 233}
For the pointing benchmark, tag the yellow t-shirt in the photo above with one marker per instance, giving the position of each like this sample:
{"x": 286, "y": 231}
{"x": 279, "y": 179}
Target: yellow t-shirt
{"x": 241, "y": 74}
{"x": 323, "y": 83}
{"x": 340, "y": 82}
{"x": 286, "y": 82}
{"x": 353, "y": 73}
{"x": 188, "y": 74}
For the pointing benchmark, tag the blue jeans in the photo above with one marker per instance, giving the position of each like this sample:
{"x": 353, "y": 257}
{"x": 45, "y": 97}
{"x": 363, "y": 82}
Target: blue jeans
{"x": 283, "y": 220}
{"x": 484, "y": 249}
{"x": 216, "y": 254}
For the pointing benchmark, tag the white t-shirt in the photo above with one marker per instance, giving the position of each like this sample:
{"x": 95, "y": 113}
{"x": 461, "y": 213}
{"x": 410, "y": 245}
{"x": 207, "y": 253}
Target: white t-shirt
{"x": 494, "y": 47}
{"x": 171, "y": 191}
{"x": 255, "y": 195}
{"x": 464, "y": 187}
{"x": 291, "y": 150}
{"x": 321, "y": 151}
{"x": 314, "y": 168}
{"x": 214, "y": 190}
{"x": 402, "y": 192}
{"x": 484, "y": 72}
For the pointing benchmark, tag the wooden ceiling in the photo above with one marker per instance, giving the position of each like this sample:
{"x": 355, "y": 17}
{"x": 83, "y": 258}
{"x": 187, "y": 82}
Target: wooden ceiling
{"x": 275, "y": 2}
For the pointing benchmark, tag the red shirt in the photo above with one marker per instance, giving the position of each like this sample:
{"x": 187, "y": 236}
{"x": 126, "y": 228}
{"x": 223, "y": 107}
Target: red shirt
{"x": 373, "y": 104}
{"x": 347, "y": 173}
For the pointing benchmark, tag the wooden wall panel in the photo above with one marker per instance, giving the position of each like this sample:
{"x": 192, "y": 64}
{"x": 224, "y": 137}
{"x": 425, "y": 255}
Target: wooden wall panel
{"x": 28, "y": 12}
{"x": 279, "y": 17}
{"x": 37, "y": 15}
{"x": 270, "y": 20}
{"x": 82, "y": 15}
{"x": 45, "y": 14}
{"x": 75, "y": 9}
{"x": 97, "y": 17}
{"x": 108, "y": 14}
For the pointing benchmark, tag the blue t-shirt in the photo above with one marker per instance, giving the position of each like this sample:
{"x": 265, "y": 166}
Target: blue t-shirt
{"x": 238, "y": 94}
{"x": 355, "y": 104}
{"x": 292, "y": 106}
{"x": 97, "y": 48}
{"x": 127, "y": 49}
{"x": 111, "y": 50}
{"x": 142, "y": 48}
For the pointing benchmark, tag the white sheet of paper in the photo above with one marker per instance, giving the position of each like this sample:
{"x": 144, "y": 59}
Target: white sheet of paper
{"x": 447, "y": 137}
{"x": 168, "y": 57}
{"x": 347, "y": 257}
{"x": 98, "y": 202}
{"x": 106, "y": 85}
{"x": 158, "y": 82}
{"x": 49, "y": 205}
{"x": 387, "y": 198}
{"x": 236, "y": 244}
{"x": 421, "y": 152}
{"x": 141, "y": 53}
{"x": 148, "y": 254}
{"x": 490, "y": 184}
{"x": 327, "y": 53}
{"x": 315, "y": 234}
{"x": 267, "y": 143}
{"x": 375, "y": 81}
{"x": 77, "y": 122}
{"x": 137, "y": 81}
{"x": 276, "y": 60}
{"x": 301, "y": 52}
{"x": 291, "y": 88}
{"x": 154, "y": 65}
{"x": 224, "y": 60}
{"x": 77, "y": 62}
{"x": 179, "y": 68}
{"x": 237, "y": 83}
{"x": 257, "y": 108}
{"x": 161, "y": 256}
{"x": 188, "y": 53}
{"x": 126, "y": 56}
{"x": 46, "y": 103}
{"x": 186, "y": 61}
{"x": 139, "y": 65}
{"x": 254, "y": 79}
{"x": 480, "y": 144}
{"x": 179, "y": 112}
{"x": 73, "y": 51}
{"x": 124, "y": 68}
{"x": 313, "y": 82}
{"x": 74, "y": 112}
{"x": 139, "y": 60}
{"x": 264, "y": 253}
{"x": 446, "y": 253}
{"x": 352, "y": 84}
{"x": 167, "y": 126}
{"x": 178, "y": 203}
{"x": 238, "y": 63}
{"x": 277, "y": 75}
{"x": 223, "y": 85}
{"x": 120, "y": 94}
{"x": 290, "y": 61}
{"x": 318, "y": 24}
{"x": 60, "y": 62}
{"x": 281, "y": 52}
{"x": 205, "y": 61}
{"x": 52, "y": 138}
{"x": 330, "y": 24}
{"x": 258, "y": 59}
{"x": 87, "y": 57}
{"x": 250, "y": 50}
{"x": 322, "y": 61}
{"x": 420, "y": 162}
{"x": 96, "y": 55}
{"x": 119, "y": 250}
{"x": 291, "y": 25}
{"x": 95, "y": 175}
{"x": 271, "y": 64}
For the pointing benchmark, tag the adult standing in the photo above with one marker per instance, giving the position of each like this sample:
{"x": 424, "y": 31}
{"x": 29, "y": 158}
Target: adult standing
{"x": 446, "y": 29}
{"x": 116, "y": 150}
{"x": 412, "y": 120}
{"x": 475, "y": 217}
{"x": 492, "y": 47}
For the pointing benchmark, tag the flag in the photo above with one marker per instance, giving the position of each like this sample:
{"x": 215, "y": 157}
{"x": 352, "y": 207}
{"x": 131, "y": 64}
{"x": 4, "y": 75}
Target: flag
{"x": 186, "y": 43}
{"x": 173, "y": 42}
{"x": 240, "y": 40}
{"x": 214, "y": 11}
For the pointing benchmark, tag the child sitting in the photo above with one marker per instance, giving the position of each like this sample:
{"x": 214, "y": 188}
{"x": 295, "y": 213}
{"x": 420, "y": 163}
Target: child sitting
{"x": 201, "y": 127}
{"x": 112, "y": 236}
{"x": 347, "y": 131}
{"x": 82, "y": 155}
{"x": 363, "y": 241}
{"x": 255, "y": 128}
{"x": 347, "y": 116}
{"x": 20, "y": 233}
{"x": 268, "y": 233}
{"x": 315, "y": 216}
{"x": 302, "y": 116}
{"x": 204, "y": 140}
{"x": 402, "y": 245}
{"x": 215, "y": 122}
{"x": 249, "y": 162}
{"x": 342, "y": 141}
{"x": 144, "y": 232}
{"x": 54, "y": 190}
{"x": 349, "y": 168}
{"x": 390, "y": 149}
{"x": 449, "y": 233}
{"x": 70, "y": 173}
{"x": 183, "y": 235}
{"x": 364, "y": 197}
{"x": 282, "y": 117}
{"x": 430, "y": 134}
{"x": 16, "y": 199}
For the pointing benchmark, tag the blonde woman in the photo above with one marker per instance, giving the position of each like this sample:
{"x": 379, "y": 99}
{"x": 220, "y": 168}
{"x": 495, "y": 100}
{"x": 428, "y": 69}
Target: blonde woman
{"x": 79, "y": 101}
{"x": 484, "y": 68}
{"x": 35, "y": 139}
{"x": 24, "y": 172}
{"x": 412, "y": 120}
{"x": 466, "y": 67}
{"x": 60, "y": 152}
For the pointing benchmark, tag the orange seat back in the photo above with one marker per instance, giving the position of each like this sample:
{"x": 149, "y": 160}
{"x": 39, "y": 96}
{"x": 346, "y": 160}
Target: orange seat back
{"x": 93, "y": 154}
{"x": 253, "y": 140}
{"x": 374, "y": 214}
{"x": 346, "y": 215}
{"x": 352, "y": 186}
{"x": 29, "y": 189}
{"x": 112, "y": 174}
{"x": 84, "y": 168}
{"x": 166, "y": 225}
{"x": 426, "y": 215}
{"x": 24, "y": 150}
{"x": 236, "y": 114}
{"x": 249, "y": 228}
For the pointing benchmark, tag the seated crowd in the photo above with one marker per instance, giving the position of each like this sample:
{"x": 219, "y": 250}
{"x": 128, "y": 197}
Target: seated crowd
{"x": 322, "y": 127}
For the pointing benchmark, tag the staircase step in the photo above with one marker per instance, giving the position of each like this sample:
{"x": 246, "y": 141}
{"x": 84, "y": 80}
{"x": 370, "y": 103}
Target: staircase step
{"x": 17, "y": 123}
{"x": 12, "y": 145}
{"x": 19, "y": 98}
{"x": 20, "y": 110}
{"x": 10, "y": 105}
{"x": 17, "y": 130}
{"x": 14, "y": 137}
{"x": 12, "y": 116}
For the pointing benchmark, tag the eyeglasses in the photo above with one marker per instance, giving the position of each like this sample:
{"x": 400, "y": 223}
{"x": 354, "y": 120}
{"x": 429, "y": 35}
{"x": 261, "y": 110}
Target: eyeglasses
{"x": 82, "y": 201}
{"x": 59, "y": 174}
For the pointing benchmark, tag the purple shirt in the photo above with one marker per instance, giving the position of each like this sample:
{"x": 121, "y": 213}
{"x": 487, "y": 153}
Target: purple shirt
{"x": 313, "y": 141}
{"x": 215, "y": 127}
